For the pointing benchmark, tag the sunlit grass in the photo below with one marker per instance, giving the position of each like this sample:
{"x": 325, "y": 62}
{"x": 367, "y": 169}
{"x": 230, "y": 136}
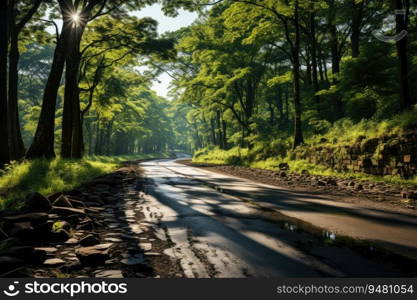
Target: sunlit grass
{"x": 298, "y": 166}
{"x": 234, "y": 156}
{"x": 50, "y": 176}
{"x": 123, "y": 158}
{"x": 231, "y": 157}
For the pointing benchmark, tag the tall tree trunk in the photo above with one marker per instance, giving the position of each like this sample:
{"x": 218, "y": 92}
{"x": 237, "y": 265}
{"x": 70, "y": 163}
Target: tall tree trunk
{"x": 219, "y": 130}
{"x": 4, "y": 38}
{"x": 334, "y": 41}
{"x": 406, "y": 100}
{"x": 71, "y": 122}
{"x": 314, "y": 57}
{"x": 98, "y": 135}
{"x": 287, "y": 108}
{"x": 280, "y": 107}
{"x": 198, "y": 142}
{"x": 309, "y": 71}
{"x": 298, "y": 135}
{"x": 43, "y": 142}
{"x": 326, "y": 74}
{"x": 213, "y": 132}
{"x": 224, "y": 129}
{"x": 334, "y": 44}
{"x": 321, "y": 70}
{"x": 357, "y": 11}
{"x": 17, "y": 147}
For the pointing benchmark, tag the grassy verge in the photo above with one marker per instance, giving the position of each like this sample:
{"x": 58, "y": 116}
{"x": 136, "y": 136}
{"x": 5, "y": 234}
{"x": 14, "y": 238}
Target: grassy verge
{"x": 50, "y": 176}
{"x": 242, "y": 157}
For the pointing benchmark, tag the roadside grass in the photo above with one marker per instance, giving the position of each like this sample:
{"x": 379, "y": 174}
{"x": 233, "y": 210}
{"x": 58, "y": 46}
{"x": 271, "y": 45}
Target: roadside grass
{"x": 123, "y": 158}
{"x": 232, "y": 157}
{"x": 315, "y": 169}
{"x": 49, "y": 176}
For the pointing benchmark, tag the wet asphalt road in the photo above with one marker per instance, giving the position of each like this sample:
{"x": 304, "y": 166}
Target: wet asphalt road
{"x": 217, "y": 232}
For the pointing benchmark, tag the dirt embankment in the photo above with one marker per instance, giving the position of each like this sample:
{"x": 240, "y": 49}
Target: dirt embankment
{"x": 379, "y": 193}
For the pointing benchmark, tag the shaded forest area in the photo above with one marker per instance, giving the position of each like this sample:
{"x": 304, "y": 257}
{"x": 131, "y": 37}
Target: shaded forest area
{"x": 252, "y": 80}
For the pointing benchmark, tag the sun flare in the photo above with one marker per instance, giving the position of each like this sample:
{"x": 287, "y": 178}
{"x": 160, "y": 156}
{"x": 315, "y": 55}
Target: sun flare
{"x": 76, "y": 17}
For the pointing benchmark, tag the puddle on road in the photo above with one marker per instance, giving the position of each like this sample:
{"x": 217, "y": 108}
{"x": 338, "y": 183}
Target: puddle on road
{"x": 402, "y": 259}
{"x": 310, "y": 236}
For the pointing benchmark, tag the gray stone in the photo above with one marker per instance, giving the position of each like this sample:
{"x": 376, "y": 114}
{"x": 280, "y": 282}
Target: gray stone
{"x": 153, "y": 254}
{"x": 91, "y": 256}
{"x": 48, "y": 250}
{"x": 103, "y": 246}
{"x": 66, "y": 211}
{"x": 62, "y": 201}
{"x": 321, "y": 183}
{"x": 89, "y": 240}
{"x": 22, "y": 229}
{"x": 37, "y": 203}
{"x": 110, "y": 274}
{"x": 132, "y": 261}
{"x": 113, "y": 240}
{"x": 37, "y": 217}
{"x": 53, "y": 262}
{"x": 145, "y": 246}
{"x": 72, "y": 241}
{"x": 126, "y": 236}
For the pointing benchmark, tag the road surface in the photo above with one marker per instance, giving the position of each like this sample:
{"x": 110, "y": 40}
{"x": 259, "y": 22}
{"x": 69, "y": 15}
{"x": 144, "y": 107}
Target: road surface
{"x": 218, "y": 229}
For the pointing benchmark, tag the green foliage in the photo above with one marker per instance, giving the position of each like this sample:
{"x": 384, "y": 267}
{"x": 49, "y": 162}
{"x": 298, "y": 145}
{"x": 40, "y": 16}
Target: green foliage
{"x": 234, "y": 156}
{"x": 233, "y": 91}
{"x": 58, "y": 227}
{"x": 244, "y": 156}
{"x": 235, "y": 74}
{"x": 346, "y": 131}
{"x": 50, "y": 176}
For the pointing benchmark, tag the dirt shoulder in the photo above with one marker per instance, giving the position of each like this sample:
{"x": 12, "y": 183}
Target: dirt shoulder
{"x": 95, "y": 230}
{"x": 369, "y": 194}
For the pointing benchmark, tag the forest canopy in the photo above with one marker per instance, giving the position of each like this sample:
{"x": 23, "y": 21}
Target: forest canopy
{"x": 270, "y": 76}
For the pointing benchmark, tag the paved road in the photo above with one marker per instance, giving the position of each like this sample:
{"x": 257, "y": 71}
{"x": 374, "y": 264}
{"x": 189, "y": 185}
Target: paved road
{"x": 216, "y": 232}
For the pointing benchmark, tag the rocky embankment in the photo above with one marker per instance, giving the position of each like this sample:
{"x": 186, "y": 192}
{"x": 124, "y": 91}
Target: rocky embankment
{"x": 393, "y": 155}
{"x": 376, "y": 191}
{"x": 96, "y": 230}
